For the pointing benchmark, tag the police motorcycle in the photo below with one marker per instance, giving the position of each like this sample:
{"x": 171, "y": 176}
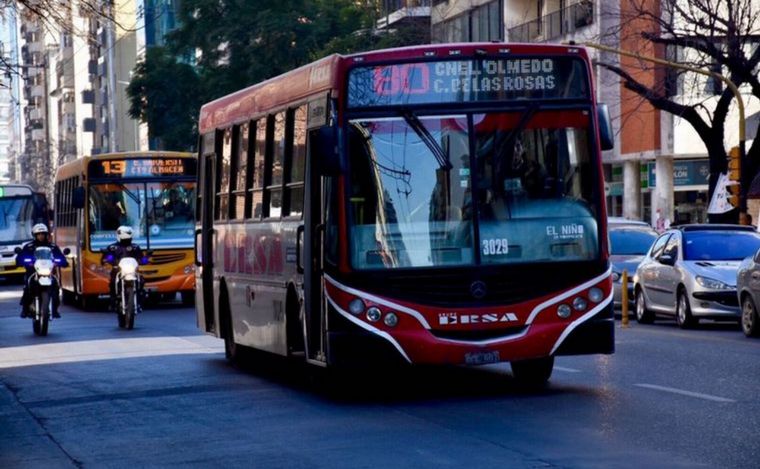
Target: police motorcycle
{"x": 42, "y": 285}
{"x": 128, "y": 287}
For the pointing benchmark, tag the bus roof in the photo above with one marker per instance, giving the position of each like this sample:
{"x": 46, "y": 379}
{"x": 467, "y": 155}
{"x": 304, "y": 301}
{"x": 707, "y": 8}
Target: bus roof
{"x": 323, "y": 76}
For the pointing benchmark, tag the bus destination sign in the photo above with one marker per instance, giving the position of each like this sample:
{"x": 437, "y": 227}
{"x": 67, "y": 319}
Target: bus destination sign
{"x": 142, "y": 168}
{"x": 468, "y": 80}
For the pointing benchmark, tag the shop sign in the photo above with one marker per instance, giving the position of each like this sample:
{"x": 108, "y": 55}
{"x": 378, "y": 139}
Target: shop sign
{"x": 685, "y": 173}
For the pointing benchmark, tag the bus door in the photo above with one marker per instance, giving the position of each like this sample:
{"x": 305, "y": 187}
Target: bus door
{"x": 319, "y": 146}
{"x": 205, "y": 246}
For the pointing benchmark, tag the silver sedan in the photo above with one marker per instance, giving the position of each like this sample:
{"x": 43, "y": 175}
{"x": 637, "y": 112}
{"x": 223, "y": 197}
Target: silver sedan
{"x": 690, "y": 273}
{"x": 748, "y": 291}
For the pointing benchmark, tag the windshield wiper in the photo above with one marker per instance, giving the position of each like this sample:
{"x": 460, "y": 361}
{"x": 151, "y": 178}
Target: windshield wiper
{"x": 427, "y": 138}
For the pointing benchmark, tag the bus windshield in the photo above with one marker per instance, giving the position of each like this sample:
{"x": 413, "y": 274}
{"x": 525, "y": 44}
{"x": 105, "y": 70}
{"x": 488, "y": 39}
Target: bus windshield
{"x": 17, "y": 216}
{"x": 525, "y": 195}
{"x": 159, "y": 213}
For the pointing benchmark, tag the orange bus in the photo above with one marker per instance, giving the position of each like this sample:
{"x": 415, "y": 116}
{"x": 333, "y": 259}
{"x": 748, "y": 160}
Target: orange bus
{"x": 153, "y": 192}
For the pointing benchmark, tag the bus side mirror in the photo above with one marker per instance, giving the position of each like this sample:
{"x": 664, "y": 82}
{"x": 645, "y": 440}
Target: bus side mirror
{"x": 77, "y": 197}
{"x": 606, "y": 137}
{"x": 324, "y": 146}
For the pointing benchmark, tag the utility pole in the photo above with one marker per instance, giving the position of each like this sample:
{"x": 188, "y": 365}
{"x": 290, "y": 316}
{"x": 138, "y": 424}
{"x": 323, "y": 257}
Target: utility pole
{"x": 741, "y": 150}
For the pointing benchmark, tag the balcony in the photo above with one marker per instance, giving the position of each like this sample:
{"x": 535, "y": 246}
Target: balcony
{"x": 405, "y": 12}
{"x": 554, "y": 25}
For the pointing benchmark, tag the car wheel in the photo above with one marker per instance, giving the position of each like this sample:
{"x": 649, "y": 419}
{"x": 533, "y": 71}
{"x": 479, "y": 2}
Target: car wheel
{"x": 643, "y": 316}
{"x": 683, "y": 311}
{"x": 750, "y": 318}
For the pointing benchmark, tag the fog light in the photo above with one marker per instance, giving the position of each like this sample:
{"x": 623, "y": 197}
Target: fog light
{"x": 564, "y": 311}
{"x": 390, "y": 319}
{"x": 189, "y": 269}
{"x": 595, "y": 295}
{"x": 373, "y": 314}
{"x": 356, "y": 307}
{"x": 580, "y": 304}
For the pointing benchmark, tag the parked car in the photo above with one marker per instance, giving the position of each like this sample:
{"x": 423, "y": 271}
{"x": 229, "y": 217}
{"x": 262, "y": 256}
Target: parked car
{"x": 629, "y": 242}
{"x": 690, "y": 273}
{"x": 748, "y": 292}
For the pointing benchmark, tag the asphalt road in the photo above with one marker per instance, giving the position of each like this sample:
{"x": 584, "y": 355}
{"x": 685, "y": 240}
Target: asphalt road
{"x": 92, "y": 395}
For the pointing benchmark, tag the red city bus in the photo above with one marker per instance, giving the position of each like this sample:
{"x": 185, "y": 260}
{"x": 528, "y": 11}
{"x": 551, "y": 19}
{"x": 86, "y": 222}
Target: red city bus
{"x": 438, "y": 204}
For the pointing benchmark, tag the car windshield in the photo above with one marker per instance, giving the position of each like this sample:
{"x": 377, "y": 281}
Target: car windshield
{"x": 630, "y": 241}
{"x": 720, "y": 245}
{"x": 415, "y": 195}
{"x": 17, "y": 216}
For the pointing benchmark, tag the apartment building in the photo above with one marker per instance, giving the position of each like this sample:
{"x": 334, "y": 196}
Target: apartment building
{"x": 10, "y": 125}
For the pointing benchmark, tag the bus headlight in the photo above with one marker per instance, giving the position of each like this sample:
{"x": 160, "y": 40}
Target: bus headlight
{"x": 373, "y": 314}
{"x": 595, "y": 294}
{"x": 390, "y": 319}
{"x": 580, "y": 304}
{"x": 356, "y": 306}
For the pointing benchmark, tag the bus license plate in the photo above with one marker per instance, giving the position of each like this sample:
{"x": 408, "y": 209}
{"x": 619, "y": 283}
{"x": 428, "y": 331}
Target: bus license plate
{"x": 481, "y": 358}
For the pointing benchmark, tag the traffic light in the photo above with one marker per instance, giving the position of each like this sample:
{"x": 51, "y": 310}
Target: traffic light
{"x": 734, "y": 164}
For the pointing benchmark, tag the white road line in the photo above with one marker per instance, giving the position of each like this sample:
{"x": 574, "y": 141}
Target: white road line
{"x": 566, "y": 370}
{"x": 684, "y": 392}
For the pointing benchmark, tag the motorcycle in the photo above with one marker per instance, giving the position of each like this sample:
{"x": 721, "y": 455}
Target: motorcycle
{"x": 129, "y": 290}
{"x": 41, "y": 286}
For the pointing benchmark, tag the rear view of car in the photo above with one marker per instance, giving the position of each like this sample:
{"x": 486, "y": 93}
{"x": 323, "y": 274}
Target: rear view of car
{"x": 629, "y": 243}
{"x": 690, "y": 273}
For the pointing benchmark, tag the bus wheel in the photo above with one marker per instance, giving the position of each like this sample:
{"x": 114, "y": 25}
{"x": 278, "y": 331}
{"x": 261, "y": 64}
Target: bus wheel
{"x": 68, "y": 298}
{"x": 231, "y": 350}
{"x": 188, "y": 298}
{"x": 533, "y": 373}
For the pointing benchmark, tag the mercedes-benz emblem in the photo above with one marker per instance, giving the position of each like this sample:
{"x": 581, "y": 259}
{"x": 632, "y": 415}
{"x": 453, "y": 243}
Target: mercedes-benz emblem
{"x": 478, "y": 289}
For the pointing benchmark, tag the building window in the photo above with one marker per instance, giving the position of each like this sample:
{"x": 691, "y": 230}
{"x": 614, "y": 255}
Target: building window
{"x": 480, "y": 24}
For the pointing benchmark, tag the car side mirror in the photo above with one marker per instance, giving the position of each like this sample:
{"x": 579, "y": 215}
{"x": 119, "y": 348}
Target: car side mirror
{"x": 667, "y": 259}
{"x": 66, "y": 251}
{"x": 606, "y": 136}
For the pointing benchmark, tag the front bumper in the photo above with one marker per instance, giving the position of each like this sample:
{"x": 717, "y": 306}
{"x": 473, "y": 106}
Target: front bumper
{"x": 422, "y": 337}
{"x": 715, "y": 305}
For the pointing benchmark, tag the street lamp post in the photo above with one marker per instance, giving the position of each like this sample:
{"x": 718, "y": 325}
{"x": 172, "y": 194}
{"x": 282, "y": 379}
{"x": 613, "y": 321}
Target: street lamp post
{"x": 730, "y": 84}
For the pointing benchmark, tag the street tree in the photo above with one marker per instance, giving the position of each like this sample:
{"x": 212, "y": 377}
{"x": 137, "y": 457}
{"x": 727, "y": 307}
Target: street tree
{"x": 715, "y": 35}
{"x": 164, "y": 93}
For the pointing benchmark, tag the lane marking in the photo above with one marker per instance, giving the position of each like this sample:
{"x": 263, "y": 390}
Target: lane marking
{"x": 566, "y": 370}
{"x": 684, "y": 392}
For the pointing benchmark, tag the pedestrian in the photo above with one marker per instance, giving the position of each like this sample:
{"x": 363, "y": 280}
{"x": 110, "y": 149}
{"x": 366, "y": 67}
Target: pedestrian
{"x": 661, "y": 223}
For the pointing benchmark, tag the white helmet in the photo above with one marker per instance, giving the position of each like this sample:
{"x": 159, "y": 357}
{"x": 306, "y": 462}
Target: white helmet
{"x": 39, "y": 228}
{"x": 123, "y": 233}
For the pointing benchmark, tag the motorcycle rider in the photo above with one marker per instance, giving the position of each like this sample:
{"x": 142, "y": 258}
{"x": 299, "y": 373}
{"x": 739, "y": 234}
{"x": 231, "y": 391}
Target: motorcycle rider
{"x": 114, "y": 252}
{"x": 25, "y": 258}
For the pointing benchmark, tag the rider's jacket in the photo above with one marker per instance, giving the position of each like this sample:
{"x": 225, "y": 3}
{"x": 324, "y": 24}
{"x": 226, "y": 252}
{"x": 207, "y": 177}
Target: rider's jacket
{"x": 26, "y": 257}
{"x": 116, "y": 251}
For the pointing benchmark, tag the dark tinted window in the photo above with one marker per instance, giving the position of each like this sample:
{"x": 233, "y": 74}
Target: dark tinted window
{"x": 627, "y": 242}
{"x": 720, "y": 245}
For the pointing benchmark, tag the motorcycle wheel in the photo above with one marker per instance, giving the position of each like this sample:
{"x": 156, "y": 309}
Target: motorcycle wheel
{"x": 41, "y": 325}
{"x": 129, "y": 306}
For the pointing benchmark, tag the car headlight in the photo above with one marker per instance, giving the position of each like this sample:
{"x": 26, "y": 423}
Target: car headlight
{"x": 615, "y": 276}
{"x": 711, "y": 283}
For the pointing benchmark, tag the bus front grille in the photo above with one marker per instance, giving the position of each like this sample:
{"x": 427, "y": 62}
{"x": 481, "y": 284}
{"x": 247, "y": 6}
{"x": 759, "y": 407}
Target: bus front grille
{"x": 167, "y": 258}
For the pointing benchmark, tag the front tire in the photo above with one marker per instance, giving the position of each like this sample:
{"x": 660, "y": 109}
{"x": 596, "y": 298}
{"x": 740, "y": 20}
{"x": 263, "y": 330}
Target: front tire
{"x": 750, "y": 318}
{"x": 684, "y": 318}
{"x": 129, "y": 306}
{"x": 41, "y": 325}
{"x": 643, "y": 315}
{"x": 533, "y": 373}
